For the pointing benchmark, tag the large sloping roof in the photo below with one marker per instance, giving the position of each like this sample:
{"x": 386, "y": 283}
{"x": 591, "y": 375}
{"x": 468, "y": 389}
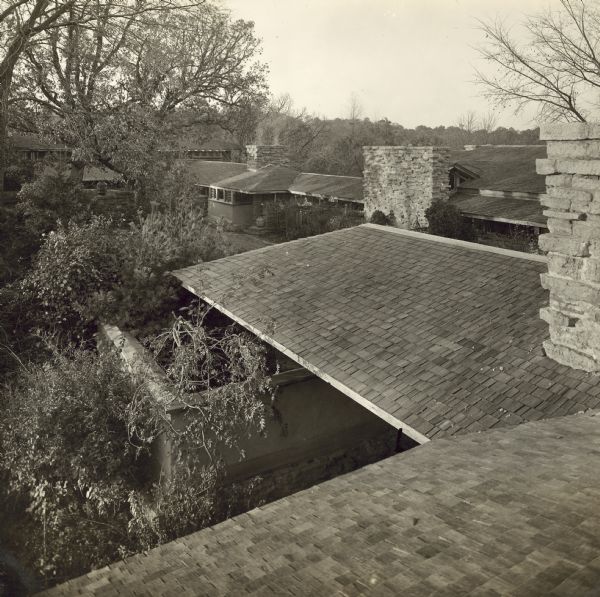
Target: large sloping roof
{"x": 506, "y": 512}
{"x": 503, "y": 168}
{"x": 327, "y": 185}
{"x": 502, "y": 209}
{"x": 267, "y": 179}
{"x": 435, "y": 336}
{"x": 205, "y": 172}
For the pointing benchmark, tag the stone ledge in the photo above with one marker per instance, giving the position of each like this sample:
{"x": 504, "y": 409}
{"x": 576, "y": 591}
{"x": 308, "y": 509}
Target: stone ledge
{"x": 569, "y": 131}
{"x": 566, "y": 245}
{"x": 571, "y": 358}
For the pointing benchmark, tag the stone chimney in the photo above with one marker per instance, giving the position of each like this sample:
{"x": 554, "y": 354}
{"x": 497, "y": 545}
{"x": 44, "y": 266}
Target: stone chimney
{"x": 259, "y": 156}
{"x": 405, "y": 180}
{"x": 572, "y": 205}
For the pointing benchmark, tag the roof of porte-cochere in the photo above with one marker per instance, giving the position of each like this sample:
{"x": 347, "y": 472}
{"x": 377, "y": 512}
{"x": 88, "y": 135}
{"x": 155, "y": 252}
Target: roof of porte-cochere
{"x": 512, "y": 511}
{"x": 436, "y": 336}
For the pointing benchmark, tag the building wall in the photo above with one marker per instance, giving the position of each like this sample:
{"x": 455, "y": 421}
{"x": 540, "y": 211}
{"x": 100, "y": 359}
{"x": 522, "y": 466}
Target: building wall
{"x": 238, "y": 215}
{"x": 315, "y": 430}
{"x": 315, "y": 433}
{"x": 572, "y": 206}
{"x": 405, "y": 181}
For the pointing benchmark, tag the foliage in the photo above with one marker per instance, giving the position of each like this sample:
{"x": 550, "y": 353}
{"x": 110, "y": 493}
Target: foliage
{"x": 164, "y": 240}
{"x": 556, "y": 70}
{"x": 445, "y": 219}
{"x": 94, "y": 270}
{"x": 378, "y": 217}
{"x": 114, "y": 91}
{"x": 337, "y": 148}
{"x": 75, "y": 443}
{"x": 292, "y": 221}
{"x": 74, "y": 438}
{"x": 50, "y": 197}
{"x": 75, "y": 265}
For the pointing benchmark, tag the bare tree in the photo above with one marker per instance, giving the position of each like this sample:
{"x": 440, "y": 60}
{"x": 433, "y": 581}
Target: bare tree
{"x": 468, "y": 121}
{"x": 558, "y": 69}
{"x": 488, "y": 122}
{"x": 355, "y": 109}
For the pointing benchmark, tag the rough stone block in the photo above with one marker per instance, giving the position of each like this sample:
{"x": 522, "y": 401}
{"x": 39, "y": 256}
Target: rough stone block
{"x": 555, "y": 202}
{"x": 590, "y": 271}
{"x": 569, "y": 131}
{"x": 570, "y": 194}
{"x": 588, "y": 230}
{"x": 559, "y": 180}
{"x": 564, "y": 244}
{"x": 565, "y": 266}
{"x": 546, "y": 166}
{"x": 567, "y": 166}
{"x": 585, "y": 183}
{"x": 563, "y": 215}
{"x": 573, "y": 149}
{"x": 557, "y": 226}
{"x": 553, "y": 317}
{"x": 570, "y": 357}
{"x": 571, "y": 290}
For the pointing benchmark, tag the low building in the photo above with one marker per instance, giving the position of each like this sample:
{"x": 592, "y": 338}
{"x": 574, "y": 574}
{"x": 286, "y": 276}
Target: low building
{"x": 460, "y": 347}
{"x": 435, "y": 336}
{"x": 498, "y": 188}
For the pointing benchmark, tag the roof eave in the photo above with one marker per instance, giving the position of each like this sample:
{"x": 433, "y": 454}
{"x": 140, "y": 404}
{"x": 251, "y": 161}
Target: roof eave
{"x": 388, "y": 418}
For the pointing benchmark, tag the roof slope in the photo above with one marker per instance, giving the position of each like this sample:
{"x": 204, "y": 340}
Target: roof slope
{"x": 327, "y": 185}
{"x": 267, "y": 179}
{"x": 507, "y": 512}
{"x": 433, "y": 335}
{"x": 507, "y": 209}
{"x": 503, "y": 168}
{"x": 207, "y": 172}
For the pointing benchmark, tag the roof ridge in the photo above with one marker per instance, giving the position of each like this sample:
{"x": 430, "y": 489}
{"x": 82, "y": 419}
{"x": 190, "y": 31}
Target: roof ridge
{"x": 336, "y": 175}
{"x": 458, "y": 243}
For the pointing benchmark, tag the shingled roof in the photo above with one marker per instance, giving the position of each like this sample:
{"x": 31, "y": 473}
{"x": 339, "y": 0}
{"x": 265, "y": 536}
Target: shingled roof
{"x": 265, "y": 180}
{"x": 502, "y": 167}
{"x": 206, "y": 172}
{"x": 433, "y": 335}
{"x": 506, "y": 512}
{"x": 328, "y": 185}
{"x": 526, "y": 212}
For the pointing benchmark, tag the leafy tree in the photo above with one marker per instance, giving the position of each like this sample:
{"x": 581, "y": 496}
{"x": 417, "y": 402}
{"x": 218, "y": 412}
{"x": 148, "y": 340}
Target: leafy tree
{"x": 556, "y": 70}
{"x": 29, "y": 24}
{"x": 114, "y": 92}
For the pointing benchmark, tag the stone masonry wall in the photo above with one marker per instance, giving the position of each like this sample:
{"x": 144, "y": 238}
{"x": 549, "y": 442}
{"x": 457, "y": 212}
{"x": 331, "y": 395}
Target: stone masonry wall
{"x": 572, "y": 205}
{"x": 405, "y": 180}
{"x": 263, "y": 155}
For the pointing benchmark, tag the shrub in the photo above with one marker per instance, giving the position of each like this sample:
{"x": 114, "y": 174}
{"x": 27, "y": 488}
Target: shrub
{"x": 445, "y": 219}
{"x": 88, "y": 271}
{"x": 72, "y": 277}
{"x": 50, "y": 197}
{"x": 293, "y": 221}
{"x": 378, "y": 217}
{"x": 74, "y": 440}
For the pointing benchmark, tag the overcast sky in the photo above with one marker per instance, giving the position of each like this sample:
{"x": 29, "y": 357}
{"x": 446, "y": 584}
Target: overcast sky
{"x": 408, "y": 60}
